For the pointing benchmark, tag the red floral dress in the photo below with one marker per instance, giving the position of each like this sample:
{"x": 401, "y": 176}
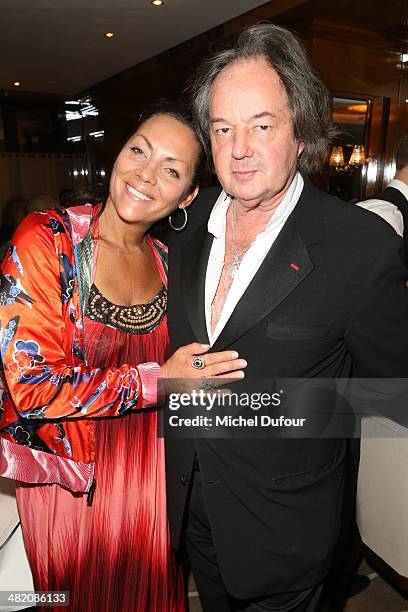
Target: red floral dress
{"x": 114, "y": 554}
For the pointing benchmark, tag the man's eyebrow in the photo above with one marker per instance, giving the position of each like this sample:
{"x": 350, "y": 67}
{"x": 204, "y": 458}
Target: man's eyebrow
{"x": 218, "y": 120}
{"x": 257, "y": 116}
{"x": 168, "y": 158}
{"x": 264, "y": 114}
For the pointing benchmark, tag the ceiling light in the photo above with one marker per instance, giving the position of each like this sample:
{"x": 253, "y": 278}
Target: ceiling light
{"x": 109, "y": 34}
{"x": 17, "y": 83}
{"x": 157, "y": 2}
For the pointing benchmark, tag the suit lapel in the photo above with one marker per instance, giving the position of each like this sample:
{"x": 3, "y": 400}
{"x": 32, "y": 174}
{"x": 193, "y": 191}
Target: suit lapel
{"x": 194, "y": 259}
{"x": 285, "y": 266}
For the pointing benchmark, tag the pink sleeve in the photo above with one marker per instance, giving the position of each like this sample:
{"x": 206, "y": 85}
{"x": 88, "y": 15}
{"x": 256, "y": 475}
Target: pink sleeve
{"x": 152, "y": 384}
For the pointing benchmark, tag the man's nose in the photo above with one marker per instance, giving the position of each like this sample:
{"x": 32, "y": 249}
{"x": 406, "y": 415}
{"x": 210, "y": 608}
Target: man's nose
{"x": 241, "y": 146}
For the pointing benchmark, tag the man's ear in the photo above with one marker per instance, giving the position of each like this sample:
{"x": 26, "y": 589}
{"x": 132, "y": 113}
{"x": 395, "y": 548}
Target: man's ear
{"x": 190, "y": 198}
{"x": 301, "y": 147}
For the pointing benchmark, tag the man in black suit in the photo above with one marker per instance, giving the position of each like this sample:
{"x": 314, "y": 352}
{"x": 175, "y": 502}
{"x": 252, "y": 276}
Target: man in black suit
{"x": 302, "y": 285}
{"x": 392, "y": 203}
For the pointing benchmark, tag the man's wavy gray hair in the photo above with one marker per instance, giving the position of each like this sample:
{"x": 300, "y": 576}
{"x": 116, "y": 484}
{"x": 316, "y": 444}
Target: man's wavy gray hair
{"x": 308, "y": 97}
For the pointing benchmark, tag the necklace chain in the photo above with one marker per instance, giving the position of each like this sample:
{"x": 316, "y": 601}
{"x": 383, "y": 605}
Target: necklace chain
{"x": 236, "y": 256}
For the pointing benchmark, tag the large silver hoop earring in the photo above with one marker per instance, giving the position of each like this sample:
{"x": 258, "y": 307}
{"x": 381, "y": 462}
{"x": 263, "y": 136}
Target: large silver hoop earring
{"x": 183, "y": 225}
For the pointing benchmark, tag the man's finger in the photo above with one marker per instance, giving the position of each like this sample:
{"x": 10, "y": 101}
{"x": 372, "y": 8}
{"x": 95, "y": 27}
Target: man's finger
{"x": 225, "y": 367}
{"x": 225, "y": 356}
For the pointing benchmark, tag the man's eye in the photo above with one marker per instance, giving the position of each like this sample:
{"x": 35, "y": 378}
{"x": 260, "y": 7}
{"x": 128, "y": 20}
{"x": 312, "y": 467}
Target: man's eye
{"x": 223, "y": 130}
{"x": 263, "y": 128}
{"x": 173, "y": 172}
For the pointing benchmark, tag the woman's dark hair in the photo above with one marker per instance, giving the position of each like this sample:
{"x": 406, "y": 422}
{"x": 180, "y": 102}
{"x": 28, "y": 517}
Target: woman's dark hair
{"x": 179, "y": 111}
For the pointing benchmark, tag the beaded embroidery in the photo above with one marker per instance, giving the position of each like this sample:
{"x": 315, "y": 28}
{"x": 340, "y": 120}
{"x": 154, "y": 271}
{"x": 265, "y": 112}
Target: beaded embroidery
{"x": 135, "y": 319}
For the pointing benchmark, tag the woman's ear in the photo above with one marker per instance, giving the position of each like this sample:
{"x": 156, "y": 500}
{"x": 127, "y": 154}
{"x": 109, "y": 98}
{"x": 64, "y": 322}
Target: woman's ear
{"x": 190, "y": 198}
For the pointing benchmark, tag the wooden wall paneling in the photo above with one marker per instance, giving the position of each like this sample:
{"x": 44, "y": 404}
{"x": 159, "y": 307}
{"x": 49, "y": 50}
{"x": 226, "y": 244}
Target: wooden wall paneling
{"x": 402, "y": 111}
{"x": 10, "y": 126}
{"x": 403, "y": 118}
{"x": 28, "y": 173}
{"x": 355, "y": 60}
{"x": 379, "y": 127}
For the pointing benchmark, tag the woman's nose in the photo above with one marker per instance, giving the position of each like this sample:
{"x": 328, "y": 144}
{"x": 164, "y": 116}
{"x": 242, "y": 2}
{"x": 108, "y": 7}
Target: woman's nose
{"x": 148, "y": 172}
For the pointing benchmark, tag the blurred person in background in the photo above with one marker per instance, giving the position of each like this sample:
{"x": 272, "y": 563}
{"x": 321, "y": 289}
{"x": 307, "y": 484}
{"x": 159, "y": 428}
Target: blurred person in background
{"x": 40, "y": 201}
{"x": 392, "y": 203}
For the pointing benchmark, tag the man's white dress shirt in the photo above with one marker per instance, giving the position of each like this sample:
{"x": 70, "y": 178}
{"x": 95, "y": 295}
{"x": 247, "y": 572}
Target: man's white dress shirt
{"x": 252, "y": 259}
{"x": 388, "y": 211}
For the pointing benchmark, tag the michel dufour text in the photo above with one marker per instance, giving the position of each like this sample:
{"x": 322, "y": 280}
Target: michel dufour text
{"x": 217, "y": 399}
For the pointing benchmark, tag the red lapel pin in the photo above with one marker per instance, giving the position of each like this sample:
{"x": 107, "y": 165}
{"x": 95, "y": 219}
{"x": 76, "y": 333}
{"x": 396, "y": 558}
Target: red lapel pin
{"x": 295, "y": 267}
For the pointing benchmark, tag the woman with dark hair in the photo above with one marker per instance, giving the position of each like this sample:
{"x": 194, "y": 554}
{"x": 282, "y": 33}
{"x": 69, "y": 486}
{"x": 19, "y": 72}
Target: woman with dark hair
{"x": 84, "y": 345}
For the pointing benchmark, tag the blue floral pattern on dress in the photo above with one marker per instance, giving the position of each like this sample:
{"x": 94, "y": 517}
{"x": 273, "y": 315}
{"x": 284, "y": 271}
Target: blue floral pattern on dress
{"x": 28, "y": 365}
{"x": 12, "y": 291}
{"x": 26, "y": 434}
{"x": 67, "y": 278}
{"x": 14, "y": 256}
{"x": 7, "y": 334}
{"x": 56, "y": 226}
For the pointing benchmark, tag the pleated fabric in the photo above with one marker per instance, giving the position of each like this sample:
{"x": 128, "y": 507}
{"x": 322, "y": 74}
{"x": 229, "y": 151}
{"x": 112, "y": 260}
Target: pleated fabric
{"x": 115, "y": 554}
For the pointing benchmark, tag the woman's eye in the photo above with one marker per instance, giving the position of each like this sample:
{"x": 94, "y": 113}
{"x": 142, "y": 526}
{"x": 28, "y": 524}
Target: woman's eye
{"x": 173, "y": 172}
{"x": 136, "y": 150}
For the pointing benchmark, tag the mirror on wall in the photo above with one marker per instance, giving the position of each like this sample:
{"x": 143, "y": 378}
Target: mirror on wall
{"x": 348, "y": 157}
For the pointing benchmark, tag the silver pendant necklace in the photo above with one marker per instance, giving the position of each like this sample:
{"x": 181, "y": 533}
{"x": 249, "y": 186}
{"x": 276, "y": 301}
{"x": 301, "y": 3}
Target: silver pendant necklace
{"x": 236, "y": 257}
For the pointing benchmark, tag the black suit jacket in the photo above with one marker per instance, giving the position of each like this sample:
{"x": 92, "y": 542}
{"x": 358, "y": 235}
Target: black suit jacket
{"x": 274, "y": 505}
{"x": 396, "y": 197}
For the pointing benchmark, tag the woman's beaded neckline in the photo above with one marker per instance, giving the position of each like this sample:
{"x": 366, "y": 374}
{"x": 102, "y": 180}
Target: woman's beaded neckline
{"x": 135, "y": 319}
